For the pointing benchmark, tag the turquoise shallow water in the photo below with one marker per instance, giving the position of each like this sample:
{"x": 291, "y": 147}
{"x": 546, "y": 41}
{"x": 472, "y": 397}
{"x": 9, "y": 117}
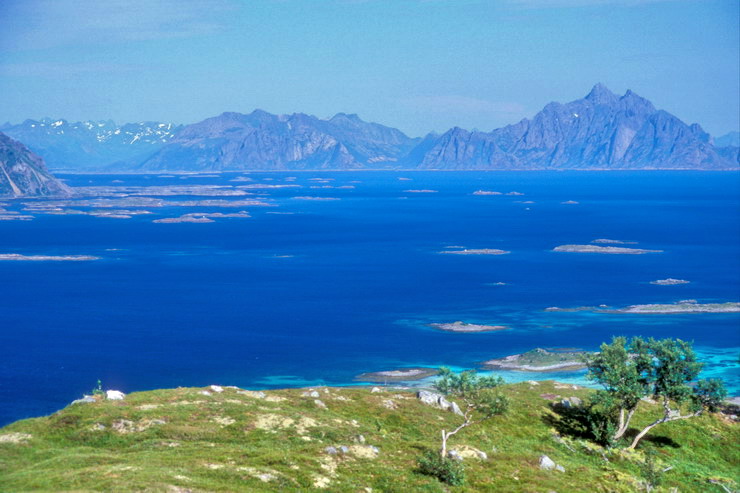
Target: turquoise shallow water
{"x": 326, "y": 290}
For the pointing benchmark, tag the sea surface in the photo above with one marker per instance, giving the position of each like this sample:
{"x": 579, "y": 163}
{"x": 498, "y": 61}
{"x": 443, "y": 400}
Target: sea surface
{"x": 314, "y": 292}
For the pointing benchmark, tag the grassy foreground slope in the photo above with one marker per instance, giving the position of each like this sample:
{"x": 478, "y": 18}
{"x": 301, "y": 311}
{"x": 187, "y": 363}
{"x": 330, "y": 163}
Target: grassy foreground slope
{"x": 182, "y": 440}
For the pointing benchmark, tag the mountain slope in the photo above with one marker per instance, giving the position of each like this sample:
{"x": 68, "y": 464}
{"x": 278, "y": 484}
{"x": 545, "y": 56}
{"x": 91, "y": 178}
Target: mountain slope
{"x": 600, "y": 131}
{"x": 346, "y": 440}
{"x": 90, "y": 145}
{"x": 262, "y": 141}
{"x": 23, "y": 173}
{"x": 729, "y": 139}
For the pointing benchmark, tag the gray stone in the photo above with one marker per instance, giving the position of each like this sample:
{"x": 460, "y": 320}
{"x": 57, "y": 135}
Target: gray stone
{"x": 547, "y": 463}
{"x": 456, "y": 409}
{"x": 344, "y": 449}
{"x": 360, "y": 439}
{"x": 559, "y": 468}
{"x": 428, "y": 398}
{"x": 114, "y": 395}
{"x": 438, "y": 400}
{"x": 84, "y": 400}
{"x": 319, "y": 403}
{"x": 375, "y": 389}
{"x": 455, "y": 455}
{"x": 331, "y": 450}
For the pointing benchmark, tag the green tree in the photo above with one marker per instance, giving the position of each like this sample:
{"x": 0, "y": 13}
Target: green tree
{"x": 661, "y": 369}
{"x": 622, "y": 369}
{"x": 476, "y": 392}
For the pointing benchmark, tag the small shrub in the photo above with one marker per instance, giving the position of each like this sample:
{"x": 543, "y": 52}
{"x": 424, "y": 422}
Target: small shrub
{"x": 651, "y": 471}
{"x": 602, "y": 424}
{"x": 445, "y": 469}
{"x": 98, "y": 390}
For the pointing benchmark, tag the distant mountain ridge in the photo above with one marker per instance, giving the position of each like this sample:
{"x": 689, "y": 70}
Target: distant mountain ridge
{"x": 75, "y": 146}
{"x": 600, "y": 131}
{"x": 262, "y": 141}
{"x": 23, "y": 173}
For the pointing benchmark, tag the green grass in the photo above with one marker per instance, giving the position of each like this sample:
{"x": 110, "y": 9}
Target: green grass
{"x": 226, "y": 441}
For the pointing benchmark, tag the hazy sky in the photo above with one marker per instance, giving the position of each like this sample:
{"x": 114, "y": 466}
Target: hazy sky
{"x": 418, "y": 65}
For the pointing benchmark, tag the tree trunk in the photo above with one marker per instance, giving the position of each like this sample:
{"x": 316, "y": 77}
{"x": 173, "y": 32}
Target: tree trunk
{"x": 446, "y": 435}
{"x": 443, "y": 452}
{"x": 624, "y": 423}
{"x": 667, "y": 417}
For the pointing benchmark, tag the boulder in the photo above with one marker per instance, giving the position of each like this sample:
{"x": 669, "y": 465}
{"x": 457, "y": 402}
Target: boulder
{"x": 428, "y": 398}
{"x": 547, "y": 463}
{"x": 455, "y": 409}
{"x": 438, "y": 400}
{"x": 84, "y": 400}
{"x": 217, "y": 388}
{"x": 455, "y": 455}
{"x": 114, "y": 395}
{"x": 468, "y": 452}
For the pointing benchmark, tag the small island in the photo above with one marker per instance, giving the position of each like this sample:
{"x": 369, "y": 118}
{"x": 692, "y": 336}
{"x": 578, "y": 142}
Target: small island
{"x": 601, "y": 249}
{"x": 540, "y": 360}
{"x": 50, "y": 258}
{"x": 686, "y": 306}
{"x": 477, "y": 251}
{"x": 397, "y": 375}
{"x": 614, "y": 242}
{"x": 466, "y": 328}
{"x": 669, "y": 282}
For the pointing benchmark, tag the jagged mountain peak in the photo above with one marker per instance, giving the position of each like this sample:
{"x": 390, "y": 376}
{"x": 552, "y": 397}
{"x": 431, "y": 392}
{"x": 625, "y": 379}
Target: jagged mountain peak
{"x": 600, "y": 94}
{"x": 600, "y": 131}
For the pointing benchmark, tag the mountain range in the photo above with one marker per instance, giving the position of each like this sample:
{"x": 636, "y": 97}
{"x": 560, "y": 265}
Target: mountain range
{"x": 91, "y": 145}
{"x": 23, "y": 173}
{"x": 600, "y": 131}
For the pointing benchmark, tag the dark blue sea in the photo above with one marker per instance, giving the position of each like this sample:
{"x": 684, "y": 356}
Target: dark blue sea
{"x": 314, "y": 292}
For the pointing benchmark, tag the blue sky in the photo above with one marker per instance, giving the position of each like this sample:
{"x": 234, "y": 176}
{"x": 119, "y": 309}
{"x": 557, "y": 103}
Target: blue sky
{"x": 419, "y": 65}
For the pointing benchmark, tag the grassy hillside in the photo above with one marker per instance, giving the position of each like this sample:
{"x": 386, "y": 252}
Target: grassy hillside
{"x": 198, "y": 440}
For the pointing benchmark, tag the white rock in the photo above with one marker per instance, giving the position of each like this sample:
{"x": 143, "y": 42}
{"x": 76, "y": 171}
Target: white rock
{"x": 454, "y": 455}
{"x": 547, "y": 463}
{"x": 559, "y": 468}
{"x": 319, "y": 403}
{"x": 456, "y": 409}
{"x": 217, "y": 388}
{"x": 375, "y": 389}
{"x": 114, "y": 395}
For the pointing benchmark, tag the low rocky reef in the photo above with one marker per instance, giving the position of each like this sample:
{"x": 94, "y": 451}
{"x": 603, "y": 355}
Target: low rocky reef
{"x": 683, "y": 306}
{"x": 45, "y": 258}
{"x": 397, "y": 375}
{"x": 669, "y": 282}
{"x": 603, "y": 249}
{"x": 540, "y": 360}
{"x": 467, "y": 328}
{"x": 476, "y": 251}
